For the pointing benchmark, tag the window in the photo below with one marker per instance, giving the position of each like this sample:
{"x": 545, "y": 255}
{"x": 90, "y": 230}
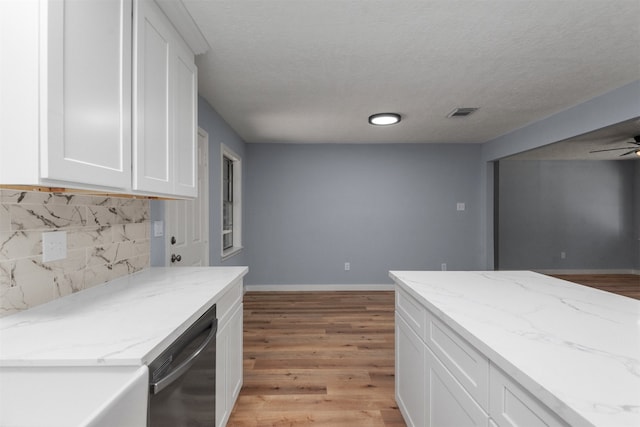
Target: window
{"x": 231, "y": 203}
{"x": 227, "y": 203}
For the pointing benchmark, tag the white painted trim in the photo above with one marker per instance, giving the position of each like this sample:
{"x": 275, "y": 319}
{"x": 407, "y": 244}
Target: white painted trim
{"x": 184, "y": 23}
{"x": 203, "y": 194}
{"x": 590, "y": 271}
{"x": 334, "y": 287}
{"x": 231, "y": 252}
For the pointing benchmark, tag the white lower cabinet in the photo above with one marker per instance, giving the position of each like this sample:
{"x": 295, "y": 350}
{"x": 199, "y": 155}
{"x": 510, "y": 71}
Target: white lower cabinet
{"x": 512, "y": 406}
{"x": 448, "y": 403}
{"x": 443, "y": 381}
{"x": 426, "y": 392}
{"x": 410, "y": 374}
{"x": 228, "y": 356}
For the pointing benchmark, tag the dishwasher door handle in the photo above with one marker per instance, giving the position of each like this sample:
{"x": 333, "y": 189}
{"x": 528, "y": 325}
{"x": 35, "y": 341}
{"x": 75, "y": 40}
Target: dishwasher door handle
{"x": 158, "y": 386}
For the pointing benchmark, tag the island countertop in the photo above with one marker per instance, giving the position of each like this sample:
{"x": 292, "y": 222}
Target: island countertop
{"x": 575, "y": 348}
{"x": 124, "y": 322}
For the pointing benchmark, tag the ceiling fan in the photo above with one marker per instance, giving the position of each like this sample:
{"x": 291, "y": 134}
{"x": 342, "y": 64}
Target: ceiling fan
{"x": 632, "y": 150}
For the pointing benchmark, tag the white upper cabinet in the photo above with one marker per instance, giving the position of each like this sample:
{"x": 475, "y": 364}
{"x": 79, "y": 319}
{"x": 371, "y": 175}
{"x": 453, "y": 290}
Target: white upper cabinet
{"x": 70, "y": 78}
{"x": 186, "y": 124}
{"x": 89, "y": 90}
{"x": 69, "y": 75}
{"x": 164, "y": 106}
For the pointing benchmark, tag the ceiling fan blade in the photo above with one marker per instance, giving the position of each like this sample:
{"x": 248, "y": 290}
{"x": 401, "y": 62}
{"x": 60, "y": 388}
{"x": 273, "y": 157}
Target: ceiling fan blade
{"x": 629, "y": 152}
{"x": 612, "y": 149}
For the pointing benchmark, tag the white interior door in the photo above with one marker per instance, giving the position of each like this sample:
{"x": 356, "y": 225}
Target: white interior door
{"x": 187, "y": 221}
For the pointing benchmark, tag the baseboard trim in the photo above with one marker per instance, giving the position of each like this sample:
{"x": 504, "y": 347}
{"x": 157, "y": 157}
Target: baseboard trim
{"x": 301, "y": 287}
{"x": 590, "y": 271}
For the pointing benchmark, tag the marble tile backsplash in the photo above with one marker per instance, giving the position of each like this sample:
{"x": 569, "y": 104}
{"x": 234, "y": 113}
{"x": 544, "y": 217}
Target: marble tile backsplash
{"x": 107, "y": 237}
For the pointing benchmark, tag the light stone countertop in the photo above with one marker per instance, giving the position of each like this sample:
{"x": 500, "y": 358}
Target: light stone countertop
{"x": 125, "y": 322}
{"x": 90, "y": 396}
{"x": 575, "y": 348}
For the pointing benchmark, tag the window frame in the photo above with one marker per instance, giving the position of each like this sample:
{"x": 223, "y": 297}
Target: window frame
{"x": 236, "y": 207}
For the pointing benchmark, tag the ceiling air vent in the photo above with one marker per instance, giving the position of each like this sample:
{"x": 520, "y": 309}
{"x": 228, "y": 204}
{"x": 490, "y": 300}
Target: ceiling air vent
{"x": 461, "y": 112}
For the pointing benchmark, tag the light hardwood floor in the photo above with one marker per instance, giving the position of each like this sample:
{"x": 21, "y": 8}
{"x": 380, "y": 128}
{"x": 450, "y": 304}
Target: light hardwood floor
{"x": 621, "y": 284}
{"x": 318, "y": 358}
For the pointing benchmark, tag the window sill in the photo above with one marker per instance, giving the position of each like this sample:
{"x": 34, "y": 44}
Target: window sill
{"x": 231, "y": 252}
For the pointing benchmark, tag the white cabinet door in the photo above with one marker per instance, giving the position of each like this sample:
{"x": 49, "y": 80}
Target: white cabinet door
{"x": 185, "y": 124}
{"x": 448, "y": 403}
{"x": 152, "y": 100}
{"x": 410, "y": 374}
{"x": 165, "y": 106}
{"x": 469, "y": 367}
{"x": 86, "y": 92}
{"x": 222, "y": 377}
{"x": 512, "y": 406}
{"x": 235, "y": 356}
{"x": 228, "y": 365}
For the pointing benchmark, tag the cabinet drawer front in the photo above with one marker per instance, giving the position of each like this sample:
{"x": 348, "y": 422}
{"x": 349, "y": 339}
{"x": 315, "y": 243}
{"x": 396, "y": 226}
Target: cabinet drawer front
{"x": 226, "y": 303}
{"x": 450, "y": 404}
{"x": 411, "y": 311}
{"x": 467, "y": 364}
{"x": 512, "y": 406}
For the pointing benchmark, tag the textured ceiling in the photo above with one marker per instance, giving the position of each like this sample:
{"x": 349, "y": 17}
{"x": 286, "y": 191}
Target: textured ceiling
{"x": 616, "y": 137}
{"x": 312, "y": 71}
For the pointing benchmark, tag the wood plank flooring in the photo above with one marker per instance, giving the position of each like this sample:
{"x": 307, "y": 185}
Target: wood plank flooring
{"x": 621, "y": 284}
{"x": 318, "y": 358}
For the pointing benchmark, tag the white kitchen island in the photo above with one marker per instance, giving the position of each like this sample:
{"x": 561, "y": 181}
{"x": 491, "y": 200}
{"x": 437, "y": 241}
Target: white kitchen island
{"x": 100, "y": 338}
{"x": 514, "y": 349}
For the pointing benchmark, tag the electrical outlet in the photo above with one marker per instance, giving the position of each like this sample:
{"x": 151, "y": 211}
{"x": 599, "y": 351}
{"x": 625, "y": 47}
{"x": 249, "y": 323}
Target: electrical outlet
{"x": 563, "y": 255}
{"x": 460, "y": 206}
{"x": 347, "y": 266}
{"x": 443, "y": 266}
{"x": 54, "y": 246}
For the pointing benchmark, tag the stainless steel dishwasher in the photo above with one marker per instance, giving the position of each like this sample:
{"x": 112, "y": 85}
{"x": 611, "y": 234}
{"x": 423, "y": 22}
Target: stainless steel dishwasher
{"x": 182, "y": 380}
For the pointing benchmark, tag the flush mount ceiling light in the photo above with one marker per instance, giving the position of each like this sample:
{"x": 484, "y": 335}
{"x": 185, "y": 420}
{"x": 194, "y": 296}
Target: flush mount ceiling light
{"x": 384, "y": 119}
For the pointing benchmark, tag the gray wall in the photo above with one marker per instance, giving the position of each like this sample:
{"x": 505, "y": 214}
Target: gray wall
{"x": 379, "y": 207}
{"x": 610, "y": 108}
{"x": 219, "y": 133}
{"x": 613, "y": 107}
{"x": 582, "y": 208}
{"x": 156, "y": 213}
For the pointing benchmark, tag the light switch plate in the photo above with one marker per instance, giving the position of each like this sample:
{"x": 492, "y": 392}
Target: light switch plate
{"x": 158, "y": 228}
{"x": 54, "y": 246}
